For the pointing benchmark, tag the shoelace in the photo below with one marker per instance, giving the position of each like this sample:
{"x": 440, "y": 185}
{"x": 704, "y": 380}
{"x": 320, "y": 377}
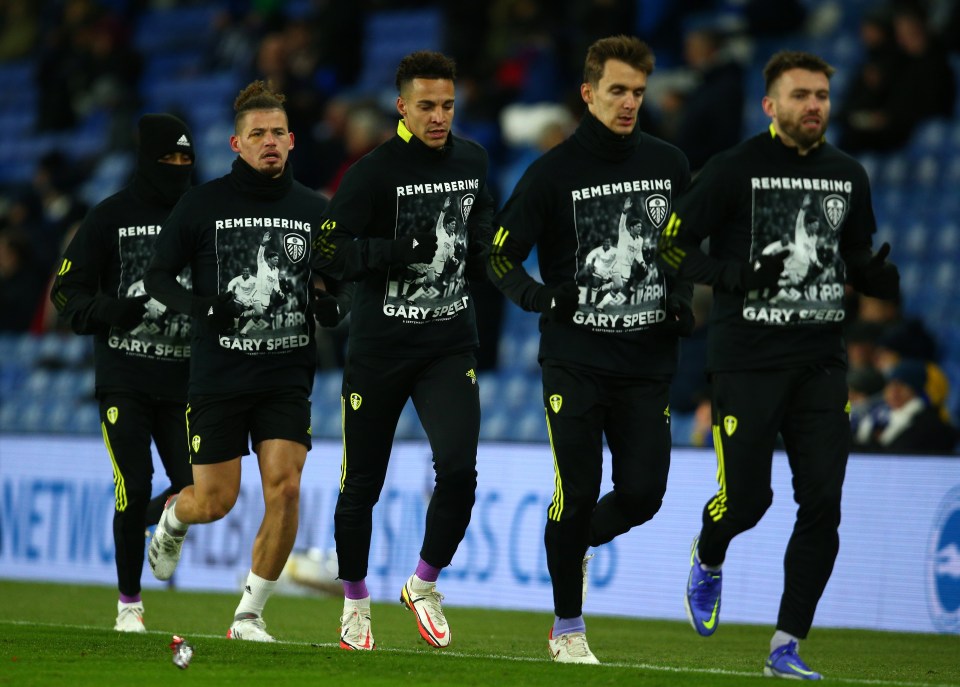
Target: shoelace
{"x": 704, "y": 591}
{"x": 432, "y": 600}
{"x": 577, "y": 645}
{"x": 352, "y": 624}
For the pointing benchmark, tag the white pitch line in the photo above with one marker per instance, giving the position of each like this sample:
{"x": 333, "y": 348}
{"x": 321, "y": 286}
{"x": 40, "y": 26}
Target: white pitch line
{"x": 506, "y": 657}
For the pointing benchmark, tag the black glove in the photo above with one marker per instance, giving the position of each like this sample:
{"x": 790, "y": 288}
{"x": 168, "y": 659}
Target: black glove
{"x": 125, "y": 313}
{"x": 878, "y": 278}
{"x": 417, "y": 248}
{"x": 765, "y": 271}
{"x": 680, "y": 320}
{"x": 325, "y": 308}
{"x": 558, "y": 302}
{"x": 218, "y": 312}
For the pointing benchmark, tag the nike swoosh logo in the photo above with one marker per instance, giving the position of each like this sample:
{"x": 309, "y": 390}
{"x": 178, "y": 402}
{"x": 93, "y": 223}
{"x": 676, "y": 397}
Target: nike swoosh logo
{"x": 436, "y": 632}
{"x": 366, "y": 644}
{"x": 800, "y": 670}
{"x": 713, "y": 616}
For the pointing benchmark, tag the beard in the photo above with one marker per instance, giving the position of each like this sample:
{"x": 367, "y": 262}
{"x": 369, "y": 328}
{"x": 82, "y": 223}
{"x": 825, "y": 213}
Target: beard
{"x": 804, "y": 137}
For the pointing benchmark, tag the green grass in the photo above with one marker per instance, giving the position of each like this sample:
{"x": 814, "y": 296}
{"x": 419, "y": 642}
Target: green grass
{"x": 62, "y": 635}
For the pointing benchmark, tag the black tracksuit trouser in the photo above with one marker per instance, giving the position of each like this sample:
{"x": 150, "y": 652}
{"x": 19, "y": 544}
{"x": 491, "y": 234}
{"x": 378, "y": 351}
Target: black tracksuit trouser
{"x": 446, "y": 396}
{"x": 582, "y": 407}
{"x": 129, "y": 420}
{"x": 807, "y": 407}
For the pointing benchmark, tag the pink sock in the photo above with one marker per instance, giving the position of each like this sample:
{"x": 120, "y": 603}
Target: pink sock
{"x": 427, "y": 572}
{"x": 355, "y": 590}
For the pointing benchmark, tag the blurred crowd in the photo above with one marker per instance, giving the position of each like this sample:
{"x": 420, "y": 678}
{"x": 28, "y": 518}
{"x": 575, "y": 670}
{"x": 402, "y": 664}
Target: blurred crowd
{"x": 519, "y": 64}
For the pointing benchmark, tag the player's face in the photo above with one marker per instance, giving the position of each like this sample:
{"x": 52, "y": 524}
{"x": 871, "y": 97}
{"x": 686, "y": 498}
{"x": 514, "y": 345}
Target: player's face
{"x": 426, "y": 106}
{"x": 799, "y": 105}
{"x": 263, "y": 141}
{"x": 179, "y": 159}
{"x": 615, "y": 100}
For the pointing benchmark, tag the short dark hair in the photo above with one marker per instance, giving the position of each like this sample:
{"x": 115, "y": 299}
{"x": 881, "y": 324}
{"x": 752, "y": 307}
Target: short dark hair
{"x": 425, "y": 64}
{"x": 786, "y": 60}
{"x": 257, "y": 95}
{"x": 629, "y": 49}
{"x": 272, "y": 254}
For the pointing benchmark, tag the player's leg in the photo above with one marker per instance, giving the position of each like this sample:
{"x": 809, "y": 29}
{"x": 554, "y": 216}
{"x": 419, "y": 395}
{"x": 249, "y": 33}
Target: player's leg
{"x": 574, "y": 425}
{"x": 748, "y": 408}
{"x": 125, "y": 423}
{"x": 816, "y": 433}
{"x": 373, "y": 394}
{"x": 173, "y": 446}
{"x": 638, "y": 434}
{"x": 218, "y": 429}
{"x": 446, "y": 396}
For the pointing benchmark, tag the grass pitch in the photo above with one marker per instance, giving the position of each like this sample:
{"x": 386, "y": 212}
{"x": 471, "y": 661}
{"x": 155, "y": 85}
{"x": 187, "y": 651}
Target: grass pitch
{"x": 62, "y": 635}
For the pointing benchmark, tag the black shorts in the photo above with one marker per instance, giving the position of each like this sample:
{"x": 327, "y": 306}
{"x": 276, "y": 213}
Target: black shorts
{"x": 222, "y": 428}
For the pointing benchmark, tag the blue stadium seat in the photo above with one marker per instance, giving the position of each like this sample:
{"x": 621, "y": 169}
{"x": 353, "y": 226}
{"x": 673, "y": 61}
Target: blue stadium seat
{"x": 174, "y": 28}
{"x": 111, "y": 174}
{"x": 388, "y": 36}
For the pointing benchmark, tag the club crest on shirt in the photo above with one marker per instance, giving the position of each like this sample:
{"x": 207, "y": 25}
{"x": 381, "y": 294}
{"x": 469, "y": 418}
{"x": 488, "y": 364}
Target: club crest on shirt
{"x": 729, "y": 425}
{"x": 556, "y": 400}
{"x": 355, "y": 401}
{"x": 195, "y": 443}
{"x": 112, "y": 414}
{"x": 295, "y": 246}
{"x": 657, "y": 205}
{"x": 834, "y": 208}
{"x": 466, "y": 205}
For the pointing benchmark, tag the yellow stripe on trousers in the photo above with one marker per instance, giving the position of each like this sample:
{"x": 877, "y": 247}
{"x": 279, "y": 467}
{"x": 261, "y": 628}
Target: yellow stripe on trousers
{"x": 718, "y": 504}
{"x": 556, "y": 505}
{"x": 119, "y": 488}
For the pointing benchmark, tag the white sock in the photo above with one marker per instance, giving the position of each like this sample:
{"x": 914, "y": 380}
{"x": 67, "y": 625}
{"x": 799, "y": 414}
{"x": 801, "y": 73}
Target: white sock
{"x": 255, "y": 595}
{"x": 172, "y": 521}
{"x": 422, "y": 585}
{"x": 360, "y": 604}
{"x": 781, "y": 638}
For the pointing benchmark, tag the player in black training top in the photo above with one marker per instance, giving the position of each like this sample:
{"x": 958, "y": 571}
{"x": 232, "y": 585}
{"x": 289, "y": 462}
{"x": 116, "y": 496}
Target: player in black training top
{"x": 250, "y": 386}
{"x": 789, "y": 220}
{"x": 397, "y": 223}
{"x": 608, "y": 347}
{"x": 141, "y": 353}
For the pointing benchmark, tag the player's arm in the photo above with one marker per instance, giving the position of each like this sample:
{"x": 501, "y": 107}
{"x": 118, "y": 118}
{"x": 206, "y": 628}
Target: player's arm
{"x": 446, "y": 206}
{"x": 76, "y": 290}
{"x": 479, "y": 235}
{"x": 709, "y": 204}
{"x": 869, "y": 273}
{"x": 341, "y": 247}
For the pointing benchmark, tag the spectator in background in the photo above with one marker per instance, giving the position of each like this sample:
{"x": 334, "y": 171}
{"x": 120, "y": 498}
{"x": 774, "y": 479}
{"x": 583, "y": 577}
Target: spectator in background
{"x": 21, "y": 281}
{"x": 19, "y": 28}
{"x": 691, "y": 119}
{"x": 910, "y": 339}
{"x": 864, "y": 387}
{"x": 905, "y": 79}
{"x": 912, "y": 424}
{"x": 364, "y": 129}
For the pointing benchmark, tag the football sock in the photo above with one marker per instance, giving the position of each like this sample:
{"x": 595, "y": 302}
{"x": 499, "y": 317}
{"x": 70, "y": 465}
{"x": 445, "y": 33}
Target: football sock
{"x": 125, "y": 599}
{"x": 427, "y": 572}
{"x": 563, "y": 626}
{"x": 355, "y": 590}
{"x": 255, "y": 594}
{"x": 780, "y": 638}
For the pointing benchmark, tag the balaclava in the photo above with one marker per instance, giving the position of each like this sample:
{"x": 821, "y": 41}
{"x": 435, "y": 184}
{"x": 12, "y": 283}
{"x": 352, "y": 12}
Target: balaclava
{"x": 161, "y": 134}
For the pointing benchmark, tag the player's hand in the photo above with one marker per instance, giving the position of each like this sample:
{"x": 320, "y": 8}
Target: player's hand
{"x": 627, "y": 203}
{"x": 680, "y": 320}
{"x": 558, "y": 302}
{"x": 218, "y": 312}
{"x": 446, "y": 202}
{"x": 266, "y": 238}
{"x": 879, "y": 278}
{"x": 765, "y": 271}
{"x": 125, "y": 313}
{"x": 325, "y": 308}
{"x": 414, "y": 249}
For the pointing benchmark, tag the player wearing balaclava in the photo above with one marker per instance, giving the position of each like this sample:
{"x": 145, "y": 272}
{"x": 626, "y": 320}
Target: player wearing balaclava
{"x": 141, "y": 350}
